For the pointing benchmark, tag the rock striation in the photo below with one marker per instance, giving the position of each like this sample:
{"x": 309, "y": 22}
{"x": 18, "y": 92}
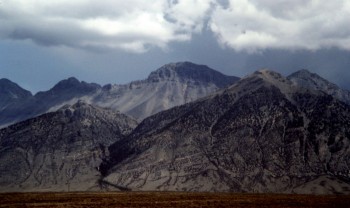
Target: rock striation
{"x": 59, "y": 151}
{"x": 265, "y": 134}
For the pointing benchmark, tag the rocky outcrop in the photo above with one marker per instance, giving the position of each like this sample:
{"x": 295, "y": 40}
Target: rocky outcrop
{"x": 59, "y": 151}
{"x": 263, "y": 134}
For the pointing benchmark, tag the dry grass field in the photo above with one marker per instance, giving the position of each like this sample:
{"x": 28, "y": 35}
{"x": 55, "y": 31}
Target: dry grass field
{"x": 167, "y": 199}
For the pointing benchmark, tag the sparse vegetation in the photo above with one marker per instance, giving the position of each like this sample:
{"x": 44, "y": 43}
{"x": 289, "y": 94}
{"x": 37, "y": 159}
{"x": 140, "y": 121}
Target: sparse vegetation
{"x": 168, "y": 199}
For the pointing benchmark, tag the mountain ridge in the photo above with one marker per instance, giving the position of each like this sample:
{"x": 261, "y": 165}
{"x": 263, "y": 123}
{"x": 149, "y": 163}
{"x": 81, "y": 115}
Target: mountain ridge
{"x": 138, "y": 99}
{"x": 265, "y": 133}
{"x": 11, "y": 92}
{"x": 59, "y": 151}
{"x": 270, "y": 138}
{"x": 313, "y": 81}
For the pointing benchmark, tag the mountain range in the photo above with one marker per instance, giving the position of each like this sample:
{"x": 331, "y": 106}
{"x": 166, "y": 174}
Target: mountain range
{"x": 202, "y": 131}
{"x": 266, "y": 134}
{"x": 171, "y": 85}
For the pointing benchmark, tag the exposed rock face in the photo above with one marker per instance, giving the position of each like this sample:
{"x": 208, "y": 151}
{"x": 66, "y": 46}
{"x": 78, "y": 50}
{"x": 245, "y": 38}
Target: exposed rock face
{"x": 169, "y": 86}
{"x": 265, "y": 133}
{"x": 59, "y": 151}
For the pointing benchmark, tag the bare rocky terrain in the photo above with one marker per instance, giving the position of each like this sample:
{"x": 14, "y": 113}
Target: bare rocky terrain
{"x": 264, "y": 134}
{"x": 59, "y": 151}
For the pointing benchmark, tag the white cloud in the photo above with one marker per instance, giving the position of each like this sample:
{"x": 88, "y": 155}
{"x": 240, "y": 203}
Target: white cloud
{"x": 189, "y": 14}
{"x": 132, "y": 25}
{"x": 137, "y": 25}
{"x": 253, "y": 25}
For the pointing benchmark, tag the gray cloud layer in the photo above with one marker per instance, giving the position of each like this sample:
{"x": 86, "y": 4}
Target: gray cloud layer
{"x": 138, "y": 25}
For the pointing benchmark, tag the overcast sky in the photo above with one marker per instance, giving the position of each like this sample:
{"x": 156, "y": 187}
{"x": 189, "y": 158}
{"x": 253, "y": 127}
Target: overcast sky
{"x": 114, "y": 41}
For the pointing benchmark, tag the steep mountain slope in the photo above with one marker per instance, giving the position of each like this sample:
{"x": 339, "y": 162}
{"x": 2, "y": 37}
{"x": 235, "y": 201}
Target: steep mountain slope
{"x": 169, "y": 86}
{"x": 10, "y": 92}
{"x": 314, "y": 81}
{"x": 59, "y": 151}
{"x": 67, "y": 91}
{"x": 262, "y": 134}
{"x": 10, "y": 95}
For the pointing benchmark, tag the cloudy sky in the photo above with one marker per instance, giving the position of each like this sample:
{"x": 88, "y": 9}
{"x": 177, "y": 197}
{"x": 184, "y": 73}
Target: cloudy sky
{"x": 115, "y": 41}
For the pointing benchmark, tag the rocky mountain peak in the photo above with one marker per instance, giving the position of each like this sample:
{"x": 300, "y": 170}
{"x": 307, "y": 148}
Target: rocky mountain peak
{"x": 269, "y": 75}
{"x": 6, "y": 82}
{"x": 262, "y": 78}
{"x": 303, "y": 73}
{"x": 74, "y": 83}
{"x": 187, "y": 71}
{"x": 10, "y": 93}
{"x": 11, "y": 89}
{"x": 67, "y": 83}
{"x": 306, "y": 79}
{"x": 68, "y": 89}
